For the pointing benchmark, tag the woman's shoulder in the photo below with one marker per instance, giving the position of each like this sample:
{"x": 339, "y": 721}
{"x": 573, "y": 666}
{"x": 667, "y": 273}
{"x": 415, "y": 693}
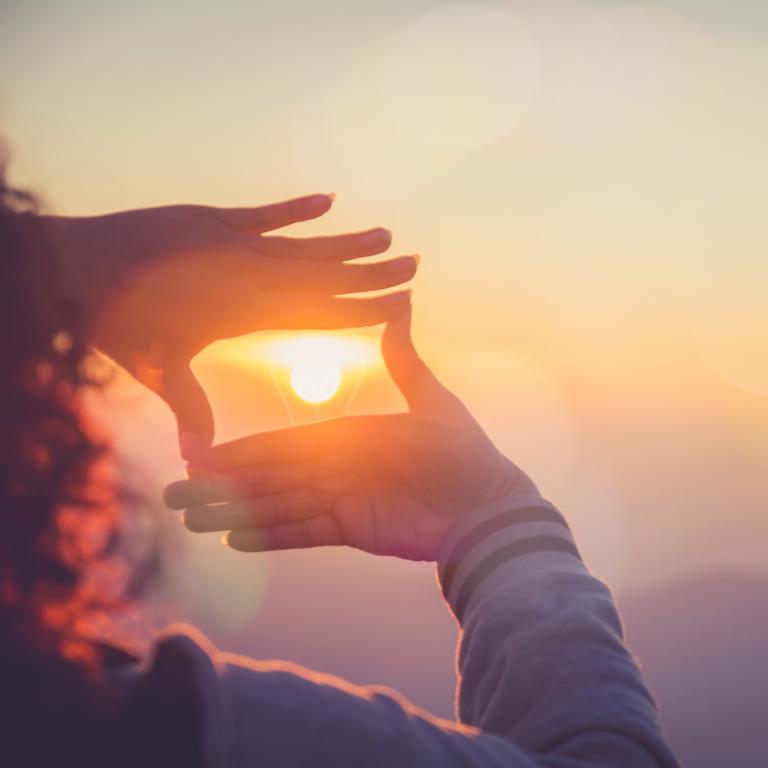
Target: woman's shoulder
{"x": 222, "y": 675}
{"x": 278, "y": 710}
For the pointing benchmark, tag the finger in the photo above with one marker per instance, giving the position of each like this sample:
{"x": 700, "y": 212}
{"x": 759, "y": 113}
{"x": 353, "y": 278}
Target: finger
{"x": 275, "y": 509}
{"x": 319, "y": 531}
{"x": 422, "y": 390}
{"x": 268, "y": 217}
{"x": 300, "y": 311}
{"x": 235, "y": 484}
{"x": 183, "y": 393}
{"x": 298, "y": 444}
{"x": 333, "y": 278}
{"x": 405, "y": 366}
{"x": 316, "y": 445}
{"x": 336, "y": 248}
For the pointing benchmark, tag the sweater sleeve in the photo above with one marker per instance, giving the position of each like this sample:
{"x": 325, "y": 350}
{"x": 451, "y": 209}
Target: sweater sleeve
{"x": 542, "y": 659}
{"x": 546, "y": 680}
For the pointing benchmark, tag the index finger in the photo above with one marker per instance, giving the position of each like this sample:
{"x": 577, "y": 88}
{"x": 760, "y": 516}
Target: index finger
{"x": 296, "y": 444}
{"x": 330, "y": 440}
{"x": 268, "y": 217}
{"x": 234, "y": 485}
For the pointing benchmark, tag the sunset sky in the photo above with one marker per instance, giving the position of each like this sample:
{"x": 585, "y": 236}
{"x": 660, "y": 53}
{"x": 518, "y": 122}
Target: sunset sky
{"x": 586, "y": 184}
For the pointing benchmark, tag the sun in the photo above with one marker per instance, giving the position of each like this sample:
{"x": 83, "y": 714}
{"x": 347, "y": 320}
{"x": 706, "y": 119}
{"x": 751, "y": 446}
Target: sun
{"x": 311, "y": 367}
{"x": 315, "y": 381}
{"x": 316, "y": 365}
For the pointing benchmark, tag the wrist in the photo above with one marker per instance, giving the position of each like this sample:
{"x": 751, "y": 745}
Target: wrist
{"x": 478, "y": 515}
{"x": 502, "y": 540}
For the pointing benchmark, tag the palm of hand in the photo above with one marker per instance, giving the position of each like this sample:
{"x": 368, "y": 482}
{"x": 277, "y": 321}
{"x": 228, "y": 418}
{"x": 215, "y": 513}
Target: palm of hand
{"x": 390, "y": 485}
{"x": 411, "y": 478}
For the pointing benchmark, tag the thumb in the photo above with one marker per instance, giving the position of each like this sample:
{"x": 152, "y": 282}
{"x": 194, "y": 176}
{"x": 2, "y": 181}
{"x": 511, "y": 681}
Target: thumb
{"x": 419, "y": 386}
{"x": 188, "y": 401}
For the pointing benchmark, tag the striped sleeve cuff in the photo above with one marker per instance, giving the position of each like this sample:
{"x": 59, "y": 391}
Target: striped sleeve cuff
{"x": 500, "y": 542}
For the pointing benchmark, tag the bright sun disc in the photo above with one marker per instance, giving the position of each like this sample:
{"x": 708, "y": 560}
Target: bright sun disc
{"x": 315, "y": 381}
{"x": 317, "y": 364}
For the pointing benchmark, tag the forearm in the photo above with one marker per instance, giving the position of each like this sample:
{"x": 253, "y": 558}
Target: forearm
{"x": 546, "y": 678}
{"x": 542, "y": 658}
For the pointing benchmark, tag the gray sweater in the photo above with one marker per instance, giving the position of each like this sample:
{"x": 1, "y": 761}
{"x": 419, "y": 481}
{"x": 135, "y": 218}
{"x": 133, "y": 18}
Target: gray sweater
{"x": 545, "y": 676}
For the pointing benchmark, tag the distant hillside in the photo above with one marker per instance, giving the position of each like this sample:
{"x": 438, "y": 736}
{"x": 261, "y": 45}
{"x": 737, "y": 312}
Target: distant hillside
{"x": 703, "y": 643}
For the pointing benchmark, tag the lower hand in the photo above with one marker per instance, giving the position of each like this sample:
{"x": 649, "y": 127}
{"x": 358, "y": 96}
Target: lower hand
{"x": 389, "y": 484}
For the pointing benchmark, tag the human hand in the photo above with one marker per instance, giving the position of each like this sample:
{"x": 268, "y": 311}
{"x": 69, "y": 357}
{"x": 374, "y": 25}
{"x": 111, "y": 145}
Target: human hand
{"x": 388, "y": 484}
{"x": 159, "y": 285}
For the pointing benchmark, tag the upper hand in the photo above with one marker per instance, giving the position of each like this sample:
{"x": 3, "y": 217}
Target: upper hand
{"x": 389, "y": 484}
{"x": 161, "y": 284}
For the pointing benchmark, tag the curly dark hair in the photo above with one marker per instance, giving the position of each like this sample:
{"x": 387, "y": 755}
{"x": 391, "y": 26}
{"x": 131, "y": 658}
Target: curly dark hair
{"x": 56, "y": 515}
{"x": 59, "y": 527}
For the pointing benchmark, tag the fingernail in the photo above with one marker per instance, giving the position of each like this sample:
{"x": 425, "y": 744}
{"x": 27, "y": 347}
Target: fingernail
{"x": 401, "y": 297}
{"x": 332, "y": 196}
{"x": 404, "y": 264}
{"x": 321, "y": 202}
{"x": 190, "y": 446}
{"x": 376, "y": 238}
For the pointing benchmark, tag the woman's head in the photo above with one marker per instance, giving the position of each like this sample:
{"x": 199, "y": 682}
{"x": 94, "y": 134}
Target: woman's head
{"x": 59, "y": 530}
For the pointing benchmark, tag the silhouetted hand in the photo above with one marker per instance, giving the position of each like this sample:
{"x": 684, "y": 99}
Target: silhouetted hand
{"x": 161, "y": 284}
{"x": 390, "y": 484}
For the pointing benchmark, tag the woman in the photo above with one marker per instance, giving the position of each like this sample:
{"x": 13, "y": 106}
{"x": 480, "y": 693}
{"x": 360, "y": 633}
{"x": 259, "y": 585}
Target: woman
{"x": 546, "y": 678}
{"x": 150, "y": 289}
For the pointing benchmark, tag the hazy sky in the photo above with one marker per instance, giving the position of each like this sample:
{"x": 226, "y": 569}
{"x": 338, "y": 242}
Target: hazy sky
{"x": 584, "y": 180}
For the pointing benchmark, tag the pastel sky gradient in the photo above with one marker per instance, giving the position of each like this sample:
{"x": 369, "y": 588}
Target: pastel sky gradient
{"x": 586, "y": 183}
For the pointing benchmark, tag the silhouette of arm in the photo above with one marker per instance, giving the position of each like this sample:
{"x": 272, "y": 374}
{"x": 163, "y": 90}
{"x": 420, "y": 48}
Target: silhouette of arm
{"x": 546, "y": 680}
{"x": 542, "y": 657}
